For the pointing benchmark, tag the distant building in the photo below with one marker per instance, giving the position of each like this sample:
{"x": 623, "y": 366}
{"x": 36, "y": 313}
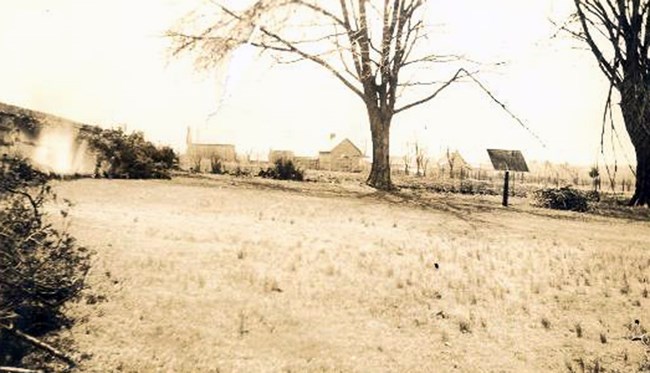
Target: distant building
{"x": 201, "y": 156}
{"x": 343, "y": 157}
{"x": 452, "y": 164}
{"x": 285, "y": 155}
{"x": 306, "y": 163}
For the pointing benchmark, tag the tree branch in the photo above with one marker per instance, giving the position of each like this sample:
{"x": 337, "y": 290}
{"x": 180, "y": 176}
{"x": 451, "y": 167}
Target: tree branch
{"x": 459, "y": 74}
{"x": 40, "y": 344}
{"x": 292, "y": 48}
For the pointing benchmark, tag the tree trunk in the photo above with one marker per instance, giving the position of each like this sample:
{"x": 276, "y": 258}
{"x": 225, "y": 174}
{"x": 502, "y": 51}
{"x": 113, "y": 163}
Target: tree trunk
{"x": 379, "y": 177}
{"x": 641, "y": 195}
{"x": 635, "y": 105}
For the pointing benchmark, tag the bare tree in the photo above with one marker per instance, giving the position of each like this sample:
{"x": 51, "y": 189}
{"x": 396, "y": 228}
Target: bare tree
{"x": 451, "y": 161}
{"x": 195, "y": 163}
{"x": 594, "y": 174}
{"x": 618, "y": 34}
{"x": 248, "y": 156}
{"x": 407, "y": 161}
{"x": 421, "y": 160}
{"x": 370, "y": 46}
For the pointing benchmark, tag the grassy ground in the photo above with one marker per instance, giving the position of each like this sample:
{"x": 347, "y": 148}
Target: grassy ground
{"x": 241, "y": 275}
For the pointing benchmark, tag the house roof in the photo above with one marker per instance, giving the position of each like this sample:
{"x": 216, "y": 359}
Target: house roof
{"x": 455, "y": 157}
{"x": 349, "y": 142}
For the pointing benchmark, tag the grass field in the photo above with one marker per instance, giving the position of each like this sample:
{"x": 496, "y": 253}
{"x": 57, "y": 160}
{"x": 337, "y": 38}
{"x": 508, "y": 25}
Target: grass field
{"x": 247, "y": 275}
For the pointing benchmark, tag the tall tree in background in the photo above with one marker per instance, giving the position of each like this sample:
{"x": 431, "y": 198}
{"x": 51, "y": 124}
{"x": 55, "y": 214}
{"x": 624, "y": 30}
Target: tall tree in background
{"x": 618, "y": 34}
{"x": 370, "y": 46}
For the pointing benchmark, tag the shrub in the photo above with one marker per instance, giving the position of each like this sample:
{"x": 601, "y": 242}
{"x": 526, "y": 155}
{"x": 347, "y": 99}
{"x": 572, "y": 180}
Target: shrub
{"x": 475, "y": 187}
{"x": 240, "y": 172}
{"x": 17, "y": 176}
{"x": 129, "y": 156}
{"x": 565, "y": 198}
{"x": 593, "y": 196}
{"x": 41, "y": 268}
{"x": 283, "y": 170}
{"x": 216, "y": 166}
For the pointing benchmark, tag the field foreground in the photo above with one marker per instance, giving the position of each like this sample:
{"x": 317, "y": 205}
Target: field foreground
{"x": 228, "y": 275}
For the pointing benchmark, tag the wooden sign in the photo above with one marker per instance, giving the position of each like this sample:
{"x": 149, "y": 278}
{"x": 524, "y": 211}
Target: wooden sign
{"x": 507, "y": 160}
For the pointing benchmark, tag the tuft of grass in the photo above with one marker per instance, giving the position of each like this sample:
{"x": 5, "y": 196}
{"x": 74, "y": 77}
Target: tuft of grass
{"x": 578, "y": 329}
{"x": 584, "y": 366}
{"x": 464, "y": 326}
{"x": 596, "y": 368}
{"x": 271, "y": 285}
{"x": 546, "y": 323}
{"x": 242, "y": 324}
{"x": 644, "y": 366}
{"x": 625, "y": 289}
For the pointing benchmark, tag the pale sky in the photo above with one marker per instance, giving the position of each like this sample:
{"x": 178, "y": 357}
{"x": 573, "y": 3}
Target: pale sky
{"x": 104, "y": 62}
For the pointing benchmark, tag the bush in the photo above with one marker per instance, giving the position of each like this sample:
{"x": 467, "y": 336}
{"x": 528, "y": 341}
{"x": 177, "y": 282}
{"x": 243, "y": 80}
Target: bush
{"x": 129, "y": 156}
{"x": 475, "y": 187}
{"x": 217, "y": 167}
{"x": 240, "y": 172}
{"x": 41, "y": 268}
{"x": 283, "y": 170}
{"x": 565, "y": 198}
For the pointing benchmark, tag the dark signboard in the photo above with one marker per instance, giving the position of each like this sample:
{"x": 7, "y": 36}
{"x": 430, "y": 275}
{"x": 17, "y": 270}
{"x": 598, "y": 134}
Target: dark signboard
{"x": 508, "y": 160}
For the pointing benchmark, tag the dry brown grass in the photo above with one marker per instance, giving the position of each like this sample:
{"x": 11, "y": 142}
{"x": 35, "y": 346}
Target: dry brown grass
{"x": 230, "y": 275}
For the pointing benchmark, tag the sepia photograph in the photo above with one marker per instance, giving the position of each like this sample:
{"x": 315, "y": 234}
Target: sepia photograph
{"x": 324, "y": 186}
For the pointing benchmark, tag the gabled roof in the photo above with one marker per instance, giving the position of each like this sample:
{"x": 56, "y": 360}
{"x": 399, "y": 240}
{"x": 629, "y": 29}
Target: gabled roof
{"x": 455, "y": 157}
{"x": 348, "y": 142}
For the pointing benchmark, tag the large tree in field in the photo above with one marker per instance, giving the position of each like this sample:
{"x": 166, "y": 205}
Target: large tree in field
{"x": 373, "y": 47}
{"x": 618, "y": 34}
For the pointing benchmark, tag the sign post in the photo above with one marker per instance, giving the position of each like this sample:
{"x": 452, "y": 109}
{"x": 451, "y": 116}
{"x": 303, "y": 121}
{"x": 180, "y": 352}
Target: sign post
{"x": 505, "y": 189}
{"x": 507, "y": 160}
